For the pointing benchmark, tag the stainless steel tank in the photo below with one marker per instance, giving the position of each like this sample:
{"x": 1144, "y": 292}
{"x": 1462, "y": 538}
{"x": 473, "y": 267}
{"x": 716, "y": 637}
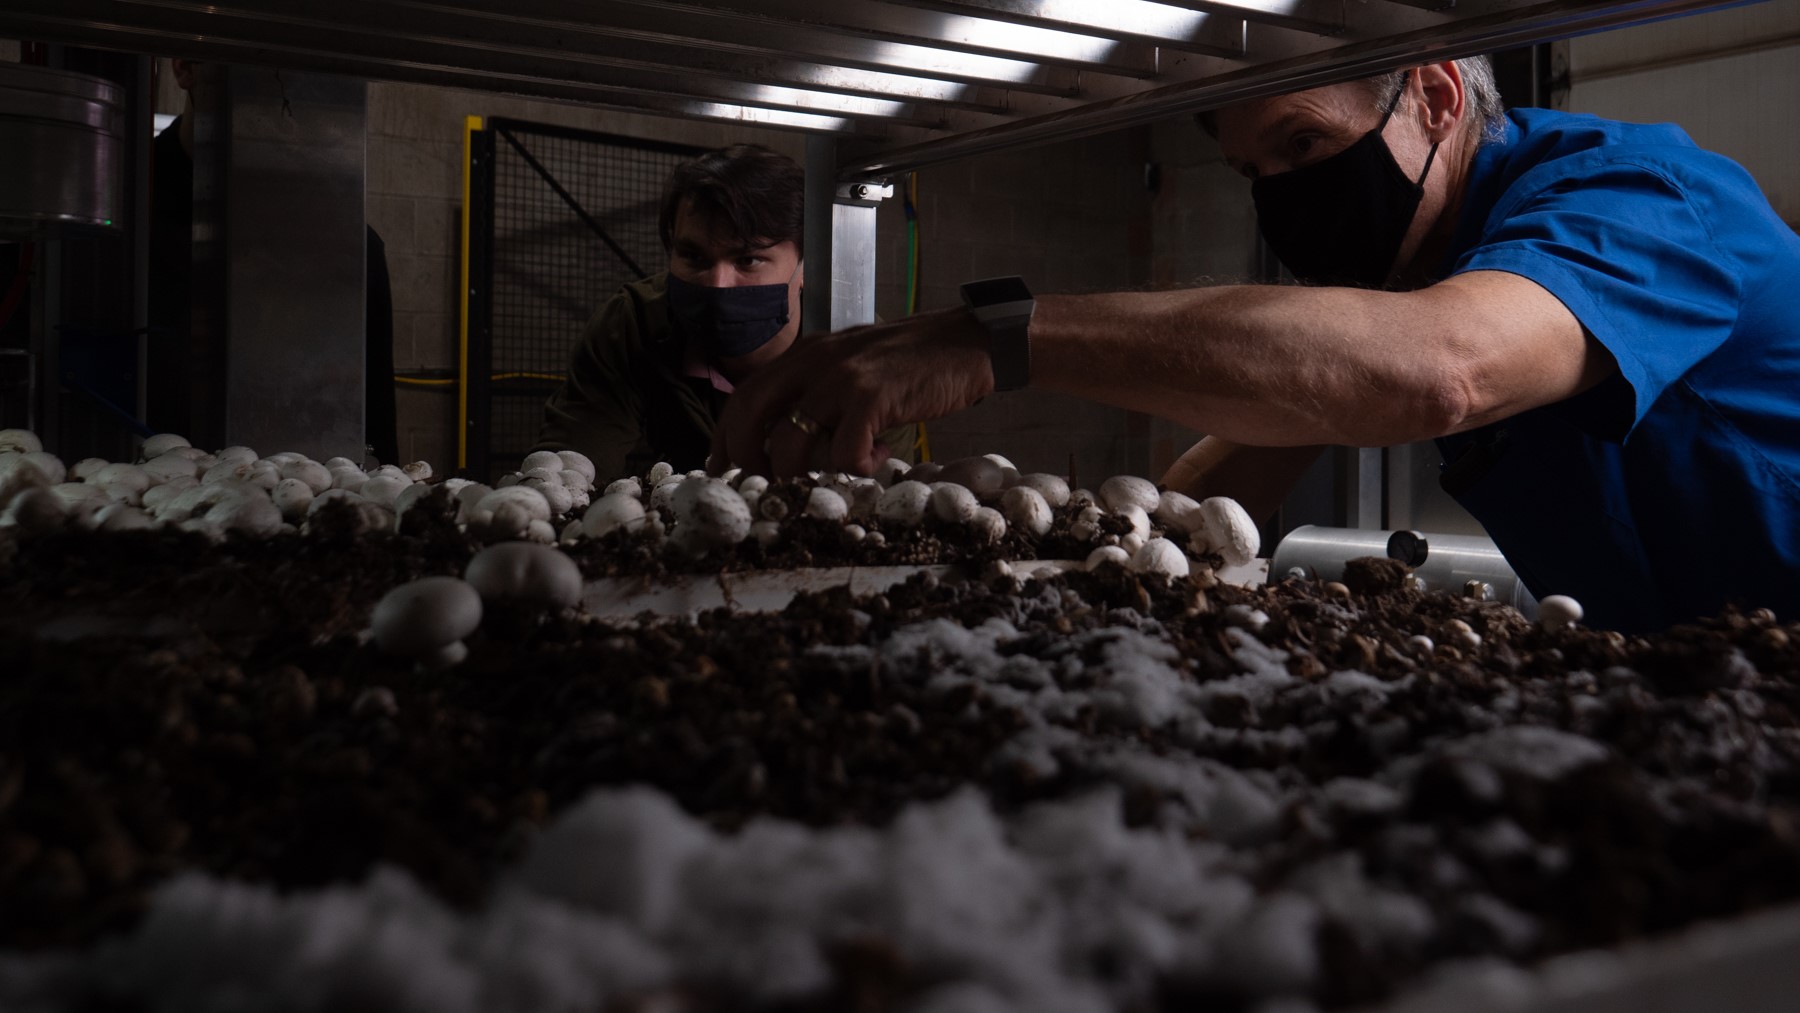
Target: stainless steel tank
{"x": 1454, "y": 563}
{"x": 62, "y": 152}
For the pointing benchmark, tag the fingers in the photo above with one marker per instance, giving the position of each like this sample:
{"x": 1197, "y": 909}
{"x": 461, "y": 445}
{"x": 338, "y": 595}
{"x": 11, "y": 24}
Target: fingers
{"x": 751, "y": 412}
{"x": 853, "y": 445}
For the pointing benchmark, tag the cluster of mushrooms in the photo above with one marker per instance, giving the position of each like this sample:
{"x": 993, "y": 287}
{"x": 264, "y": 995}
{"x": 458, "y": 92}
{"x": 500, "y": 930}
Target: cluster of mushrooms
{"x": 175, "y": 485}
{"x": 986, "y": 495}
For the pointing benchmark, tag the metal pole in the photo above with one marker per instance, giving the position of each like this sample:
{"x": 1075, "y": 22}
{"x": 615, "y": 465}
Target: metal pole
{"x": 821, "y": 190}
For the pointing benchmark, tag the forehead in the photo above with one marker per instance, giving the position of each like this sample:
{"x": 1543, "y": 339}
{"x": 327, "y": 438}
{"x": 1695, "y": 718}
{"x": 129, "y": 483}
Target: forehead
{"x": 703, "y": 227}
{"x": 1245, "y": 126}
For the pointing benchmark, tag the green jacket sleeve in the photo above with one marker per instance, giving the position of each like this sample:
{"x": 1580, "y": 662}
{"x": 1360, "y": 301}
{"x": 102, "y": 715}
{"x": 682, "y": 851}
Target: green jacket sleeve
{"x": 598, "y": 411}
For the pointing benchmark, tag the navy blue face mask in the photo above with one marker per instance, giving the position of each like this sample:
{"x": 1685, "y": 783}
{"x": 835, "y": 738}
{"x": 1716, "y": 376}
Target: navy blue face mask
{"x": 1341, "y": 220}
{"x": 728, "y": 322}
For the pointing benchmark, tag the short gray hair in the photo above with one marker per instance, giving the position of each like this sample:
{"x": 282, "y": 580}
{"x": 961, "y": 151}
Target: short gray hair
{"x": 1481, "y": 96}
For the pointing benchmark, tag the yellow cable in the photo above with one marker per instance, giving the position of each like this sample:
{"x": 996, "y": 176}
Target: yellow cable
{"x": 470, "y": 125}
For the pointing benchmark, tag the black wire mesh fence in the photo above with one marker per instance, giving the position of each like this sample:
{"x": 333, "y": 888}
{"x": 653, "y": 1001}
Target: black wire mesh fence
{"x": 560, "y": 218}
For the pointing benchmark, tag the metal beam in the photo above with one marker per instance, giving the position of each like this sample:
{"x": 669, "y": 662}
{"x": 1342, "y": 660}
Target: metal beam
{"x": 1127, "y": 20}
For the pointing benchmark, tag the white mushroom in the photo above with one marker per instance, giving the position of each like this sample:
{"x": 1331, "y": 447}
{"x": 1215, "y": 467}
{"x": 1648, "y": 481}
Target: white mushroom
{"x": 291, "y": 496}
{"x": 342, "y": 462}
{"x": 427, "y": 620}
{"x": 891, "y": 471}
{"x": 469, "y": 497}
{"x": 571, "y": 532}
{"x": 1086, "y": 526}
{"x": 1457, "y": 631}
{"x": 382, "y": 490}
{"x": 864, "y": 496}
{"x": 34, "y": 511}
{"x": 251, "y": 513}
{"x": 1121, "y": 491}
{"x": 554, "y": 492}
{"x": 612, "y": 512}
{"x": 157, "y": 495}
{"x": 826, "y": 505}
{"x": 952, "y": 503}
{"x": 238, "y": 455}
{"x": 49, "y": 464}
{"x": 660, "y": 471}
{"x": 766, "y": 533}
{"x": 1027, "y": 509}
{"x": 316, "y": 476}
{"x": 988, "y": 523}
{"x": 630, "y": 487}
{"x": 122, "y": 517}
{"x": 418, "y": 471}
{"x": 855, "y": 532}
{"x": 1162, "y": 557}
{"x": 1140, "y": 521}
{"x": 1558, "y": 612}
{"x": 904, "y": 503}
{"x": 227, "y": 471}
{"x": 86, "y": 468}
{"x": 1131, "y": 541}
{"x": 579, "y": 463}
{"x": 349, "y": 479}
{"x": 19, "y": 441}
{"x": 1178, "y": 512}
{"x": 979, "y": 475}
{"x": 1001, "y": 461}
{"x": 1054, "y": 490}
{"x": 539, "y": 575}
{"x": 71, "y": 493}
{"x": 1226, "y": 529}
{"x": 171, "y": 466}
{"x": 160, "y": 444}
{"x": 709, "y": 514}
{"x": 753, "y": 485}
{"x": 1107, "y": 554}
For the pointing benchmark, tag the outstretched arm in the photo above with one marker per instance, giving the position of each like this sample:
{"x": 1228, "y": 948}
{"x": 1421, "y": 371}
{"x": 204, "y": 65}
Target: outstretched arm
{"x": 1261, "y": 365}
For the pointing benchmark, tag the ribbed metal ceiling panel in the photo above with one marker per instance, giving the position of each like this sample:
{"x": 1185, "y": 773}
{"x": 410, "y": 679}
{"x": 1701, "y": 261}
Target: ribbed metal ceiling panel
{"x": 902, "y": 83}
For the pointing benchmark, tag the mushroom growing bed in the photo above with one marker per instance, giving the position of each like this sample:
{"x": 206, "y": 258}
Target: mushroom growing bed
{"x": 988, "y": 787}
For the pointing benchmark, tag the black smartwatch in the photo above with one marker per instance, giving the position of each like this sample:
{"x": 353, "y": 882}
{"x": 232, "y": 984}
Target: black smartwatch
{"x": 1004, "y": 307}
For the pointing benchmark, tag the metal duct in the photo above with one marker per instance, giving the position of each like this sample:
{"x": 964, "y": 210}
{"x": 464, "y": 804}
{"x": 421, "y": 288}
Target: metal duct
{"x": 63, "y": 135}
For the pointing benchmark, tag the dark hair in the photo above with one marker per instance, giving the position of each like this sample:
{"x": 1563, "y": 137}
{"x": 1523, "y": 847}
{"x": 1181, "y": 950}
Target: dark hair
{"x": 756, "y": 194}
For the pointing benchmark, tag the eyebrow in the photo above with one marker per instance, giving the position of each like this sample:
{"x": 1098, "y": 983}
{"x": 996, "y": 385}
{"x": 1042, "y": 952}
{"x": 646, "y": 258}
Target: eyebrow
{"x": 1285, "y": 123}
{"x": 686, "y": 247}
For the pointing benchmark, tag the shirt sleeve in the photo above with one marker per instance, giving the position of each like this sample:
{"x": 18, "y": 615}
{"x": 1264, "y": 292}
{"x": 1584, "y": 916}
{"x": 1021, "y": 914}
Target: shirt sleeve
{"x": 596, "y": 411}
{"x": 1625, "y": 248}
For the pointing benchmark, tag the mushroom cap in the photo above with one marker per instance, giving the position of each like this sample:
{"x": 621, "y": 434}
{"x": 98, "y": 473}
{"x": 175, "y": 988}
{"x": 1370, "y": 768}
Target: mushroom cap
{"x": 545, "y": 459}
{"x": 752, "y": 485}
{"x": 1001, "y": 461}
{"x": 1121, "y": 491}
{"x": 1178, "y": 511}
{"x": 988, "y": 523}
{"x": 425, "y": 616}
{"x": 20, "y": 441}
{"x": 1227, "y": 529}
{"x": 349, "y": 479}
{"x": 662, "y": 496}
{"x": 342, "y": 462}
{"x": 35, "y": 510}
{"x": 627, "y": 486}
{"x": 574, "y": 460}
{"x": 239, "y": 455}
{"x": 826, "y": 505}
{"x": 1558, "y": 611}
{"x": 525, "y": 572}
{"x": 253, "y": 514}
{"x": 554, "y": 492}
{"x": 155, "y": 496}
{"x": 863, "y": 495}
{"x": 1140, "y": 521}
{"x": 122, "y": 517}
{"x": 904, "y": 502}
{"x": 1026, "y": 508}
{"x": 660, "y": 471}
{"x": 86, "y": 468}
{"x": 980, "y": 475}
{"x": 291, "y": 496}
{"x": 171, "y": 466}
{"x": 709, "y": 513}
{"x": 1160, "y": 556}
{"x": 383, "y": 490}
{"x": 418, "y": 471}
{"x": 952, "y": 503}
{"x": 160, "y": 444}
{"x": 611, "y": 512}
{"x": 1053, "y": 488}
{"x": 316, "y": 476}
{"x": 535, "y": 505}
{"x": 1107, "y": 554}
{"x": 891, "y": 471}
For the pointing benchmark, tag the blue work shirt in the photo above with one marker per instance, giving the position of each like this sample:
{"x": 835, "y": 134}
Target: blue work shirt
{"x": 1672, "y": 488}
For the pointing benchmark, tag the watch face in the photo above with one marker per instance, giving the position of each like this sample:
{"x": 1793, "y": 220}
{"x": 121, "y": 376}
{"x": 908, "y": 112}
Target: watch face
{"x": 994, "y": 291}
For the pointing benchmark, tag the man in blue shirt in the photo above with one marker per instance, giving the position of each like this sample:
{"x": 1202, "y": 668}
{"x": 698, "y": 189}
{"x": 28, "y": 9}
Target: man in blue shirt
{"x": 1599, "y": 323}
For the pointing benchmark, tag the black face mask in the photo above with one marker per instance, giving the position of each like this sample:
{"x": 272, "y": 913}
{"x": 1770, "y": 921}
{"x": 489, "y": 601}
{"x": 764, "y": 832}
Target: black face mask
{"x": 1340, "y": 221}
{"x": 728, "y": 322}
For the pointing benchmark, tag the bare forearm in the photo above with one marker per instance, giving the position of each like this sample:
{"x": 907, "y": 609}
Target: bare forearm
{"x": 1260, "y": 478}
{"x": 1264, "y": 365}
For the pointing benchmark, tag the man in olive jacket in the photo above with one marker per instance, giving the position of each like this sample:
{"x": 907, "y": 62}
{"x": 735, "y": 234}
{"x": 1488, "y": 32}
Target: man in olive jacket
{"x": 656, "y": 364}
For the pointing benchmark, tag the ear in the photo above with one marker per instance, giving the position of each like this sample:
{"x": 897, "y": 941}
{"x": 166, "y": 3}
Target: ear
{"x": 1441, "y": 97}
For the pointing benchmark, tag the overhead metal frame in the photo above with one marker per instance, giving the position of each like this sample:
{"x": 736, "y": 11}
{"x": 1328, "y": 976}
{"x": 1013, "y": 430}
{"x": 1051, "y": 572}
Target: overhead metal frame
{"x": 897, "y": 83}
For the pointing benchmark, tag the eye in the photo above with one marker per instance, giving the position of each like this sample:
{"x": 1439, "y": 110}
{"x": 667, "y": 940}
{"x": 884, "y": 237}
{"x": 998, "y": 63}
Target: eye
{"x": 1302, "y": 144}
{"x": 751, "y": 262}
